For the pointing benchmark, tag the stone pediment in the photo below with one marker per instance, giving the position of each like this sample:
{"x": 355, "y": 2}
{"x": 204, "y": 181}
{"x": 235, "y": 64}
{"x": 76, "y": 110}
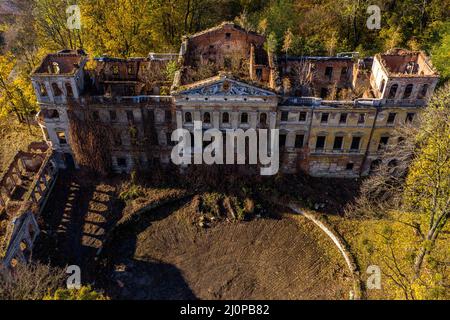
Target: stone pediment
{"x": 224, "y": 87}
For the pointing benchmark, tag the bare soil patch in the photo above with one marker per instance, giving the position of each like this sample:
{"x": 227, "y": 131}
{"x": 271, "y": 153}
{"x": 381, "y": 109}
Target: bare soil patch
{"x": 165, "y": 256}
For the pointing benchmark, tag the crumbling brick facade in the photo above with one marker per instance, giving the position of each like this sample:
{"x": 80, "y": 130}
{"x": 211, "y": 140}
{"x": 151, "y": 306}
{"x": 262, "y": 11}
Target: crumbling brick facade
{"x": 333, "y": 112}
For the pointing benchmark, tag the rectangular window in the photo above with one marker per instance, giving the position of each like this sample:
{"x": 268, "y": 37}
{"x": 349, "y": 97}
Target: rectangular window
{"x": 302, "y": 117}
{"x": 112, "y": 115}
{"x": 130, "y": 70}
{"x": 168, "y": 115}
{"x": 391, "y": 118}
{"x": 122, "y": 162}
{"x": 130, "y": 115}
{"x": 344, "y": 72}
{"x": 324, "y": 118}
{"x": 356, "y": 141}
{"x": 383, "y": 142}
{"x": 61, "y": 137}
{"x": 324, "y": 93}
{"x": 362, "y": 118}
{"x": 117, "y": 139}
{"x": 95, "y": 115}
{"x": 350, "y": 166}
{"x": 338, "y": 143}
{"x": 410, "y": 117}
{"x": 282, "y": 140}
{"x": 259, "y": 73}
{"x": 228, "y": 36}
{"x": 299, "y": 140}
{"x": 284, "y": 116}
{"x": 320, "y": 143}
{"x": 169, "y": 139}
{"x": 343, "y": 118}
{"x": 329, "y": 72}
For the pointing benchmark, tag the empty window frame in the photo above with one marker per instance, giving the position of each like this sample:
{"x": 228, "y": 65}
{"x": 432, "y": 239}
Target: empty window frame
{"x": 244, "y": 117}
{"x": 206, "y": 117}
{"x": 302, "y": 117}
{"x": 338, "y": 142}
{"x": 408, "y": 91}
{"x": 226, "y": 118}
{"x": 393, "y": 91}
{"x": 320, "y": 142}
{"x": 329, "y": 72}
{"x": 324, "y": 117}
{"x": 61, "y": 137}
{"x": 361, "y": 118}
{"x": 391, "y": 118}
{"x": 188, "y": 117}
{"x": 356, "y": 142}
{"x": 383, "y": 142}
{"x": 299, "y": 140}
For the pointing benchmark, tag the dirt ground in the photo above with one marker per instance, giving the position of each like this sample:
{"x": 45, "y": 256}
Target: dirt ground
{"x": 165, "y": 256}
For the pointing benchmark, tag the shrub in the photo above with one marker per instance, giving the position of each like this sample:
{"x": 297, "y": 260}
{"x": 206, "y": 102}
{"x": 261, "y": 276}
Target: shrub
{"x": 84, "y": 293}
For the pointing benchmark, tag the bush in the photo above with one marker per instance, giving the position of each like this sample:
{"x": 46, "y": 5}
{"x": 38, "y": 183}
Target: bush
{"x": 84, "y": 293}
{"x": 30, "y": 282}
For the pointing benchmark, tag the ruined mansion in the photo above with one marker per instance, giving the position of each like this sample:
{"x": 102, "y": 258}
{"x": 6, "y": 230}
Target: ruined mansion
{"x": 335, "y": 114}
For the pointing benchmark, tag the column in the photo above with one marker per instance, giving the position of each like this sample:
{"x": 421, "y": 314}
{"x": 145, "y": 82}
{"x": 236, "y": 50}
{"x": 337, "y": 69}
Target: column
{"x": 216, "y": 119}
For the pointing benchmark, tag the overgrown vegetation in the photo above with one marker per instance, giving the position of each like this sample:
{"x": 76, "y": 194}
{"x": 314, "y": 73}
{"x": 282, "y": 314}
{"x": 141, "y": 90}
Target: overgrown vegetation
{"x": 84, "y": 293}
{"x": 30, "y": 282}
{"x": 90, "y": 140}
{"x": 411, "y": 199}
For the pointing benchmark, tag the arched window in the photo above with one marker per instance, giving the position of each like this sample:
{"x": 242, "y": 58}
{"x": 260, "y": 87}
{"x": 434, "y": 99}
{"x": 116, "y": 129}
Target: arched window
{"x": 56, "y": 90}
{"x": 408, "y": 91}
{"x": 69, "y": 89}
{"x": 423, "y": 91}
{"x": 225, "y": 117}
{"x": 263, "y": 118}
{"x": 393, "y": 91}
{"x": 207, "y": 117}
{"x": 42, "y": 90}
{"x": 244, "y": 117}
{"x": 188, "y": 117}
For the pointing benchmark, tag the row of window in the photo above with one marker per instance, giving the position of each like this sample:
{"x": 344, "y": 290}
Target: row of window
{"x": 130, "y": 115}
{"x": 329, "y": 73}
{"x": 55, "y": 89}
{"x": 338, "y": 143}
{"x": 408, "y": 91}
{"x": 244, "y": 118}
{"x": 354, "y": 146}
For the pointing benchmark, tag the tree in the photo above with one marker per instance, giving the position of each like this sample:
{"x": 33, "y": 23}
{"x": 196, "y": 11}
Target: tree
{"x": 30, "y": 282}
{"x": 288, "y": 41}
{"x": 16, "y": 92}
{"x": 410, "y": 197}
{"x": 427, "y": 191}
